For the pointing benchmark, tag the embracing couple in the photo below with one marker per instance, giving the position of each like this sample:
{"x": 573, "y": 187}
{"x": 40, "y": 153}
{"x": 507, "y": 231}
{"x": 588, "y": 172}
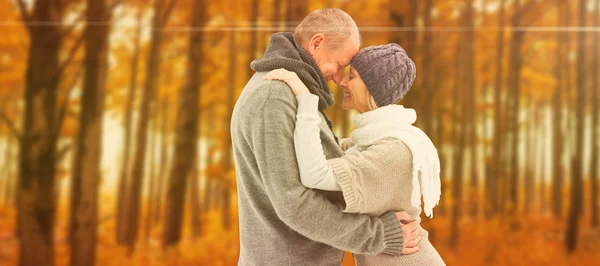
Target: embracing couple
{"x": 303, "y": 196}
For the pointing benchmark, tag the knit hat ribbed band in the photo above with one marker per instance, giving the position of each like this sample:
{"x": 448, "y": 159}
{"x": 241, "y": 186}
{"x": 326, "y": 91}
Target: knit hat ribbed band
{"x": 387, "y": 71}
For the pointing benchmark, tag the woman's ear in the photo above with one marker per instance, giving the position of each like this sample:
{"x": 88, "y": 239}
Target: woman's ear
{"x": 315, "y": 43}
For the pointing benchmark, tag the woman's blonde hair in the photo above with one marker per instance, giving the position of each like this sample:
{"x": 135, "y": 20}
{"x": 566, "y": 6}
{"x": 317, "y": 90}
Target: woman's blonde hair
{"x": 335, "y": 24}
{"x": 371, "y": 102}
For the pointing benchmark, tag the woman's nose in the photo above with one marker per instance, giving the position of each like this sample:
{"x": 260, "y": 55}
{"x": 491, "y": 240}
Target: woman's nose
{"x": 343, "y": 82}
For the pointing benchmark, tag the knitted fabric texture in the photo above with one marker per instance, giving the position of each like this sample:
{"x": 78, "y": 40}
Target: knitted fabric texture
{"x": 387, "y": 71}
{"x": 285, "y": 52}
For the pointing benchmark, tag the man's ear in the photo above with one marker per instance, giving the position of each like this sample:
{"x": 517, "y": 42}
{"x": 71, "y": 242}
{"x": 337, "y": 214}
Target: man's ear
{"x": 315, "y": 43}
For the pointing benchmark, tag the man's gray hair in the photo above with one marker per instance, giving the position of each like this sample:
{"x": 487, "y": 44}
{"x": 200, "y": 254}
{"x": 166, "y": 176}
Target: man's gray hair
{"x": 335, "y": 24}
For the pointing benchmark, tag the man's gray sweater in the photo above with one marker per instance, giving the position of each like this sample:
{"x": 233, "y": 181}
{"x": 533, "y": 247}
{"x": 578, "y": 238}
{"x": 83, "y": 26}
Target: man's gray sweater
{"x": 281, "y": 221}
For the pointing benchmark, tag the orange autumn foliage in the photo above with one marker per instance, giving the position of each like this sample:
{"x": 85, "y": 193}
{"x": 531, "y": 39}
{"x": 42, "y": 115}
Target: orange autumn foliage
{"x": 533, "y": 240}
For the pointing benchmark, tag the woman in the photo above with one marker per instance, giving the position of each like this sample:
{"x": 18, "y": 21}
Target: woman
{"x": 388, "y": 163}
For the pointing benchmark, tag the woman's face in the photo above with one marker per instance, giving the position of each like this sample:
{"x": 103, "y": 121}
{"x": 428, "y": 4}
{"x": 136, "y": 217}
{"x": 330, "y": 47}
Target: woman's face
{"x": 356, "y": 95}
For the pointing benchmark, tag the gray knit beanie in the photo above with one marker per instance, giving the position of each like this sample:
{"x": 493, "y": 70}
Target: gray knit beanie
{"x": 387, "y": 71}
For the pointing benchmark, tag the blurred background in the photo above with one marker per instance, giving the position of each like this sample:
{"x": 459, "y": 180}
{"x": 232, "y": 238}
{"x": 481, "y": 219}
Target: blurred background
{"x": 114, "y": 125}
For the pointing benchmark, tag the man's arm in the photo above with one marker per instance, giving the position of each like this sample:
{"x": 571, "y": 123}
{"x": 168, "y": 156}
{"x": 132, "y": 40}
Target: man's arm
{"x": 305, "y": 210}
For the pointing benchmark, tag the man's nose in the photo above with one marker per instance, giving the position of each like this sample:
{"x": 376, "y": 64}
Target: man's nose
{"x": 338, "y": 77}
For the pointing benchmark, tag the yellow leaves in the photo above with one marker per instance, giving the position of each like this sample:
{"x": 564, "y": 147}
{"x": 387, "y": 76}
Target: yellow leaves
{"x": 62, "y": 172}
{"x": 230, "y": 179}
{"x": 214, "y": 171}
{"x": 10, "y": 114}
{"x": 70, "y": 127}
{"x": 14, "y": 45}
{"x": 539, "y": 84}
{"x": 492, "y": 242}
{"x": 539, "y": 241}
{"x": 485, "y": 107}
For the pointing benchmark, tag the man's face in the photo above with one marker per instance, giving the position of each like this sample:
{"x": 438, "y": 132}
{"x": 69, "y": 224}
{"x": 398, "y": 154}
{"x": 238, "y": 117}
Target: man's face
{"x": 333, "y": 61}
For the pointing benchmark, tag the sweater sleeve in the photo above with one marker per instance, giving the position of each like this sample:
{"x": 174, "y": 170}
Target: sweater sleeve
{"x": 308, "y": 211}
{"x": 315, "y": 172}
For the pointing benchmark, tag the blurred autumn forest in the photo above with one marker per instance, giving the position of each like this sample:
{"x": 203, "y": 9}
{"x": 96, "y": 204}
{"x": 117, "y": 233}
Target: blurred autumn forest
{"x": 114, "y": 125}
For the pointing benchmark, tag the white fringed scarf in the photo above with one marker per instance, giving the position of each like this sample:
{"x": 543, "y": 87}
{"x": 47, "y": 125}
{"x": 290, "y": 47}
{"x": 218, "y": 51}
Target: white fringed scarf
{"x": 397, "y": 122}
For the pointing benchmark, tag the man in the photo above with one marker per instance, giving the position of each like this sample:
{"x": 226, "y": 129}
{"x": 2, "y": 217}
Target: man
{"x": 281, "y": 221}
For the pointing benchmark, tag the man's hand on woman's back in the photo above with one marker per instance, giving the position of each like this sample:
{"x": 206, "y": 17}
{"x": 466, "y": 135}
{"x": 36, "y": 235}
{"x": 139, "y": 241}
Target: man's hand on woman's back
{"x": 411, "y": 230}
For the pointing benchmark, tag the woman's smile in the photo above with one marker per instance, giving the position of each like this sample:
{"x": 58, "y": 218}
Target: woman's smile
{"x": 346, "y": 95}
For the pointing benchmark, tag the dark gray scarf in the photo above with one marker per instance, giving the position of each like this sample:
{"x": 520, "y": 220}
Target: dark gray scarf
{"x": 284, "y": 52}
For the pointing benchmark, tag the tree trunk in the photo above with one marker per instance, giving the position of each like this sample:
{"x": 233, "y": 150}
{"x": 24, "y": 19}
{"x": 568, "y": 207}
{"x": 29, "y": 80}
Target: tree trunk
{"x": 160, "y": 191}
{"x": 575, "y": 209}
{"x": 227, "y": 159}
{"x": 11, "y": 163}
{"x": 514, "y": 79}
{"x": 497, "y": 165}
{"x": 459, "y": 135}
{"x": 403, "y": 15}
{"x": 152, "y": 179}
{"x": 531, "y": 156}
{"x": 147, "y": 104}
{"x": 506, "y": 180}
{"x": 296, "y": 11}
{"x": 276, "y": 24}
{"x": 571, "y": 103}
{"x": 208, "y": 190}
{"x": 186, "y": 133}
{"x": 277, "y": 15}
{"x": 469, "y": 104}
{"x": 7, "y": 187}
{"x": 226, "y": 194}
{"x": 485, "y": 149}
{"x": 595, "y": 146}
{"x": 13, "y": 185}
{"x": 88, "y": 153}
{"x": 426, "y": 89}
{"x": 437, "y": 107}
{"x": 15, "y": 181}
{"x": 4, "y": 171}
{"x": 253, "y": 36}
{"x": 557, "y": 131}
{"x": 194, "y": 202}
{"x": 506, "y": 153}
{"x": 527, "y": 153}
{"x": 544, "y": 152}
{"x": 37, "y": 149}
{"x": 204, "y": 162}
{"x": 124, "y": 182}
{"x": 216, "y": 200}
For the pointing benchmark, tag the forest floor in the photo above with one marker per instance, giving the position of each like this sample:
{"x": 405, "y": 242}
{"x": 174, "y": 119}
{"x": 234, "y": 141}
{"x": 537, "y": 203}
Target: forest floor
{"x": 536, "y": 240}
